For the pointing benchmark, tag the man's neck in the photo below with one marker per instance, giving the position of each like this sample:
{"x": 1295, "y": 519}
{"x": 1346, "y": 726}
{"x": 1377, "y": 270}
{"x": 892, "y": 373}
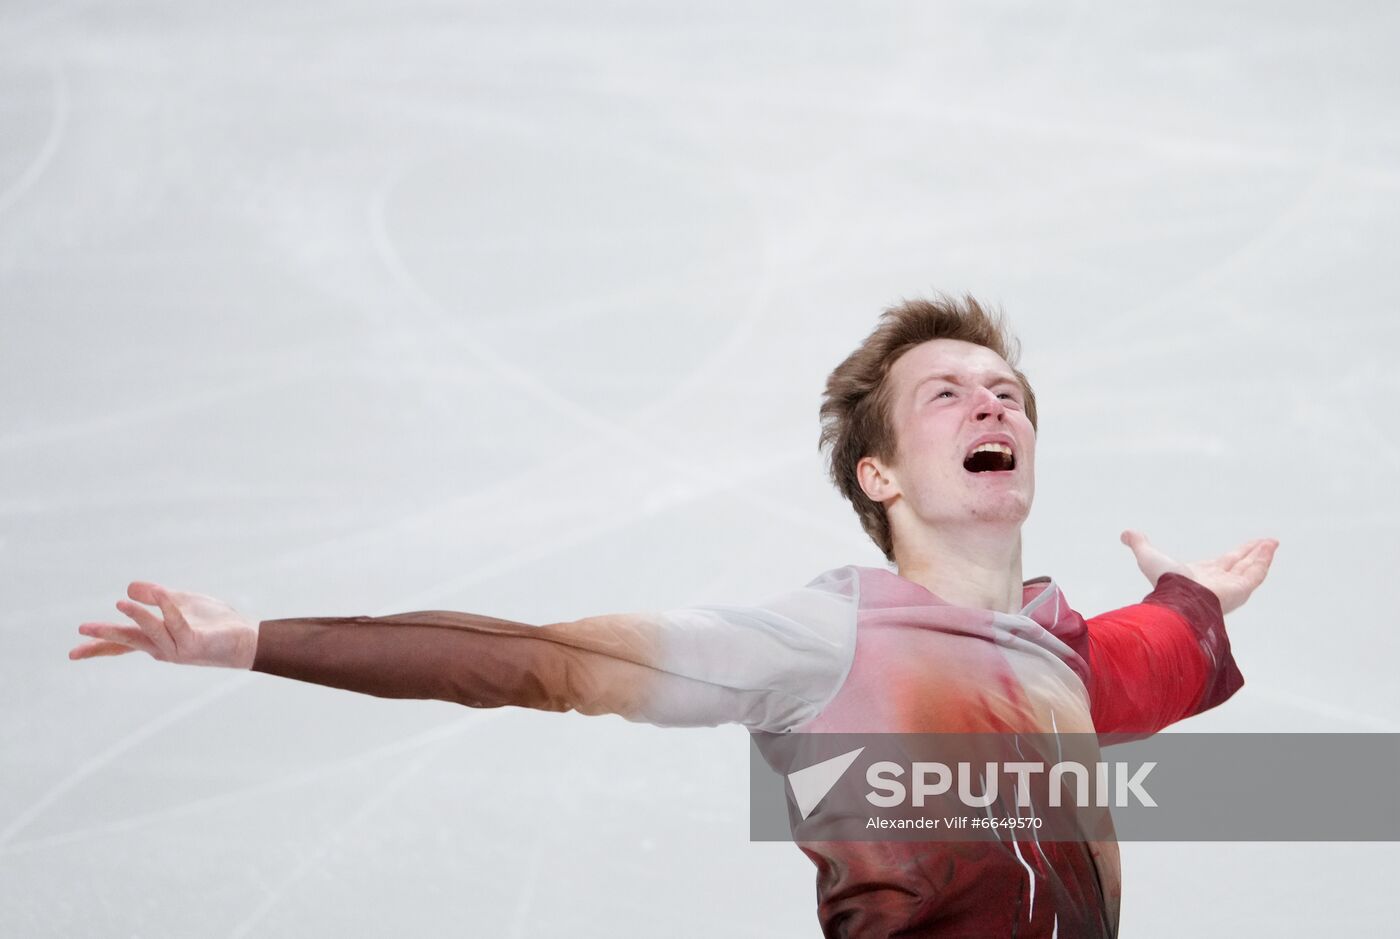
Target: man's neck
{"x": 977, "y": 567}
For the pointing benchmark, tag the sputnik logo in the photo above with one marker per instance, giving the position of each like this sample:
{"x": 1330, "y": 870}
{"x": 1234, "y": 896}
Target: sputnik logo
{"x": 809, "y": 786}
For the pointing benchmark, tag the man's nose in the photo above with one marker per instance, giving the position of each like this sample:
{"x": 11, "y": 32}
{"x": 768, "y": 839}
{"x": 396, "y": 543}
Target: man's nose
{"x": 987, "y": 405}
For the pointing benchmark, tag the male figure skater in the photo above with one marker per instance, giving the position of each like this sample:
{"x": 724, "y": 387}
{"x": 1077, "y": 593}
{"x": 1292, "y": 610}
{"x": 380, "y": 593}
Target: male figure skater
{"x": 932, "y": 433}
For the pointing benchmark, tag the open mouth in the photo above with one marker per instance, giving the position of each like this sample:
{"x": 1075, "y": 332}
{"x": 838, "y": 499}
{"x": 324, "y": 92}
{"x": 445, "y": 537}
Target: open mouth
{"x": 990, "y": 458}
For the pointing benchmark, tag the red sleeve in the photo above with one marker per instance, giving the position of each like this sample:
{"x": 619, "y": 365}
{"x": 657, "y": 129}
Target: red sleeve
{"x": 1155, "y": 662}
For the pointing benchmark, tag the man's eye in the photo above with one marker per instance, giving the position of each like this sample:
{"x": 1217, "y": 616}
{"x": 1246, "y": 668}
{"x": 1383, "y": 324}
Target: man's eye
{"x": 1007, "y": 394}
{"x": 945, "y": 391}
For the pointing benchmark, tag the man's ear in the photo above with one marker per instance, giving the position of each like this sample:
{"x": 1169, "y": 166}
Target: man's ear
{"x": 876, "y": 480}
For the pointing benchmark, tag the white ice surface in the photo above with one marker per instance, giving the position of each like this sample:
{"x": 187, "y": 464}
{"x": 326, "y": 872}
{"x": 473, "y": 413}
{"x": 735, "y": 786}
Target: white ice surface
{"x": 524, "y": 308}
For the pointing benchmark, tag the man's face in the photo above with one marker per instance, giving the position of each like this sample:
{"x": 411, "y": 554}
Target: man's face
{"x": 948, "y": 396}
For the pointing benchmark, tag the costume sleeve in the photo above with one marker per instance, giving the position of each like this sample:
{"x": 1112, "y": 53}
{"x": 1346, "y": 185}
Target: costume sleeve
{"x": 1155, "y": 662}
{"x": 769, "y": 667}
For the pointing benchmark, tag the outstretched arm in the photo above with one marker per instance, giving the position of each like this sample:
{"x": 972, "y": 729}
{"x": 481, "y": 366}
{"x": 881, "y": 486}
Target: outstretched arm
{"x": 768, "y": 666}
{"x": 1167, "y": 658}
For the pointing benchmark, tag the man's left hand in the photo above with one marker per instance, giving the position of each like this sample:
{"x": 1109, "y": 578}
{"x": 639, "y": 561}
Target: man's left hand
{"x": 1232, "y": 577}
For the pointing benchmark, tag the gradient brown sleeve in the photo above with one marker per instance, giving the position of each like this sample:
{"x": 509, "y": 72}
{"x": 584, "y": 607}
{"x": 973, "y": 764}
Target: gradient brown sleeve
{"x": 769, "y": 666}
{"x": 598, "y": 665}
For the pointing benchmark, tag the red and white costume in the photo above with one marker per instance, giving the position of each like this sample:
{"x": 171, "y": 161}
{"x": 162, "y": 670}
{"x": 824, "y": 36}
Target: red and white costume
{"x": 856, "y": 650}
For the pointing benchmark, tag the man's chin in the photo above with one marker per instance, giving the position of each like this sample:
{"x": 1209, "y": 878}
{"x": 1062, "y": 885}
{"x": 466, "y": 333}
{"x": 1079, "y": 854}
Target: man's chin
{"x": 1006, "y": 507}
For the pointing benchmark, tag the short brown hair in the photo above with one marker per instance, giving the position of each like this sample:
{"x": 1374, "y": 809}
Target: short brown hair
{"x": 855, "y": 411}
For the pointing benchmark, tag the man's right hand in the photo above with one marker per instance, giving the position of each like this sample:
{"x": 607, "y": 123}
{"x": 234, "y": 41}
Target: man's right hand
{"x": 185, "y": 628}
